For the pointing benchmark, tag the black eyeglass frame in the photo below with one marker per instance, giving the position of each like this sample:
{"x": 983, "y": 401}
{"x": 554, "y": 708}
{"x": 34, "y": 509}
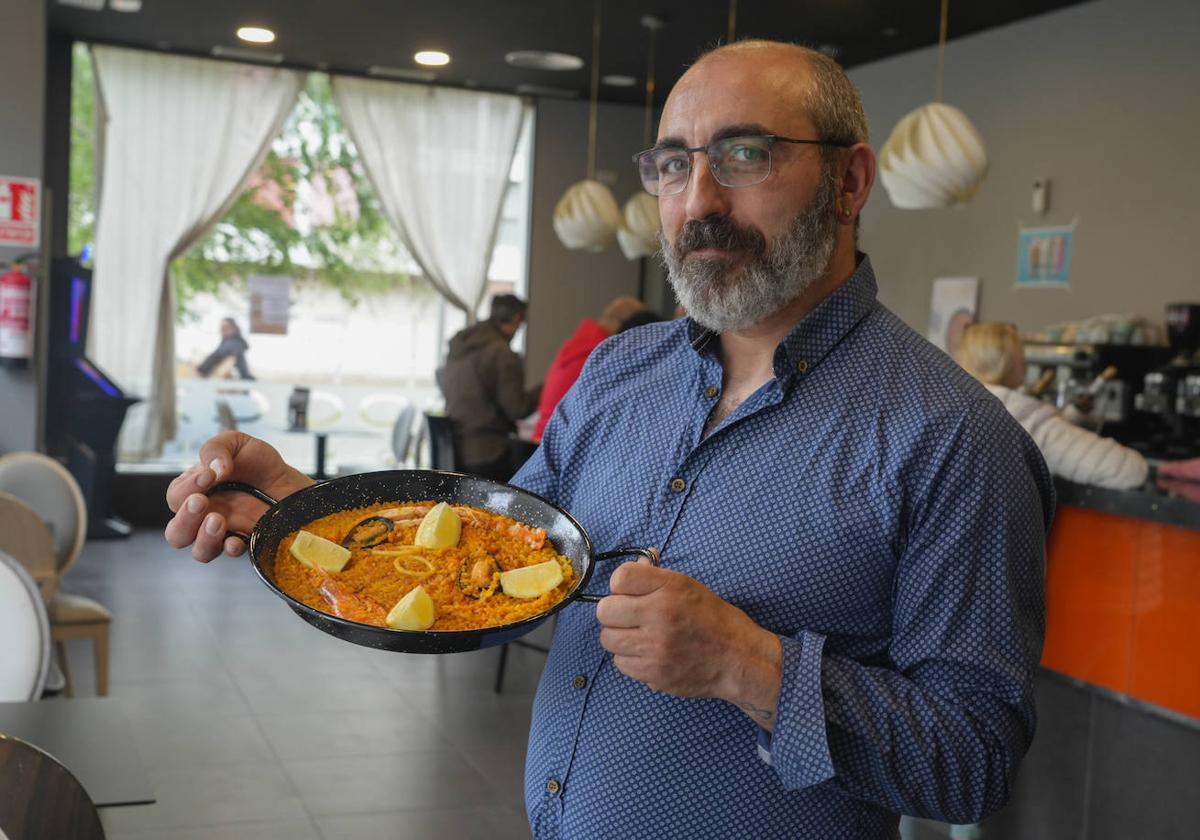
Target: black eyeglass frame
{"x": 771, "y": 139}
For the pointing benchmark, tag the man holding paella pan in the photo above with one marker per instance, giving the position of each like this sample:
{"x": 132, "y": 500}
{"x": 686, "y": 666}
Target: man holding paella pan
{"x": 848, "y": 612}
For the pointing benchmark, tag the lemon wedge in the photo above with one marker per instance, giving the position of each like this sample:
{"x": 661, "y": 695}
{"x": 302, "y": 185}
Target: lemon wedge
{"x": 531, "y": 581}
{"x": 440, "y": 528}
{"x": 413, "y": 612}
{"x": 318, "y": 552}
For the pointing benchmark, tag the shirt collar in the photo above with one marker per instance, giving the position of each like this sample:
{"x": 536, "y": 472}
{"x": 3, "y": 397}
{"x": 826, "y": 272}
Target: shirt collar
{"x": 820, "y": 330}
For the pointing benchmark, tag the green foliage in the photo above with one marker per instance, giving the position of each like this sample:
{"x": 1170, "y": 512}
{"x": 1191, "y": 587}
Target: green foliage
{"x": 81, "y": 197}
{"x": 354, "y": 254}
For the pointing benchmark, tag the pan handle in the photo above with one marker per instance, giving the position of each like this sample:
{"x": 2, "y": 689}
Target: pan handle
{"x": 241, "y": 487}
{"x": 650, "y": 554}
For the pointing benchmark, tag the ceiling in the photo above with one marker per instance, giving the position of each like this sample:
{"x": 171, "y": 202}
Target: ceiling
{"x": 352, "y": 35}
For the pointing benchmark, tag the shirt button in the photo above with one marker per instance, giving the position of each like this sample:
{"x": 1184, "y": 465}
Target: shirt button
{"x": 710, "y": 391}
{"x": 802, "y": 366}
{"x": 552, "y": 786}
{"x": 580, "y": 681}
{"x": 678, "y": 485}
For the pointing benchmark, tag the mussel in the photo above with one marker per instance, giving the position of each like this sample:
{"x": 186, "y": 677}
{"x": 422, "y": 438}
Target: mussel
{"x": 477, "y": 576}
{"x": 370, "y": 532}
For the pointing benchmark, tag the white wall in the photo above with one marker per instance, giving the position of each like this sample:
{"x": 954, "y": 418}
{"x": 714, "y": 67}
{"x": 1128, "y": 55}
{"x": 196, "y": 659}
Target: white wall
{"x": 566, "y": 286}
{"x": 1103, "y": 99}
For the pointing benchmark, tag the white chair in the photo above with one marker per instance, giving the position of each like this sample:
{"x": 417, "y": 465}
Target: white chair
{"x": 25, "y": 630}
{"x": 53, "y": 494}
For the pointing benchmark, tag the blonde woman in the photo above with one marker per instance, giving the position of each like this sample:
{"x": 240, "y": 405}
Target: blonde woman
{"x": 991, "y": 352}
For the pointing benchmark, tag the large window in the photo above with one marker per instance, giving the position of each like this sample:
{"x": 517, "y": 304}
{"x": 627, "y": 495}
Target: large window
{"x": 364, "y": 330}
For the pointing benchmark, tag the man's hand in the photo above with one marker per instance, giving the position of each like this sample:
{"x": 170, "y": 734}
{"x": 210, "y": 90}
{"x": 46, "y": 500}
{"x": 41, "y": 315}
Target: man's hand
{"x": 670, "y": 632}
{"x": 201, "y": 521}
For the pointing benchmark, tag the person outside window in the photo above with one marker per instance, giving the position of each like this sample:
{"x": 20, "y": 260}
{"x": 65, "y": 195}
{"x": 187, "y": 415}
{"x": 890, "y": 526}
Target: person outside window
{"x": 230, "y": 353}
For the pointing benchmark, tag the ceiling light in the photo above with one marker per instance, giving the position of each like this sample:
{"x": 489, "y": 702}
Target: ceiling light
{"x": 615, "y": 80}
{"x": 543, "y": 60}
{"x": 256, "y": 34}
{"x": 90, "y": 5}
{"x": 432, "y": 58}
{"x": 125, "y": 5}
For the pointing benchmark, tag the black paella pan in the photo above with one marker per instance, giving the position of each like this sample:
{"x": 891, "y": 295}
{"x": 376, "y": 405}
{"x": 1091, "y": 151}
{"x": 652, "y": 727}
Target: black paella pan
{"x": 366, "y": 489}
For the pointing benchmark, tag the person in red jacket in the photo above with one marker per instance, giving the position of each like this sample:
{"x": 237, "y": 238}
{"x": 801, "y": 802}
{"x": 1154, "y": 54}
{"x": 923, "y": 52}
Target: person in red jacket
{"x": 568, "y": 362}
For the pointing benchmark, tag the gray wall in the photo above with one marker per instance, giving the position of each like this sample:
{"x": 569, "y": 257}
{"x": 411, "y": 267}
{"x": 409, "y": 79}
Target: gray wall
{"x": 23, "y": 65}
{"x": 1103, "y": 99}
{"x": 565, "y": 286}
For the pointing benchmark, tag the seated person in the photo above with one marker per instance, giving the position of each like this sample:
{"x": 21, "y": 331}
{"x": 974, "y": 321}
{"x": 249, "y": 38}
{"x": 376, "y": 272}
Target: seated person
{"x": 568, "y": 362}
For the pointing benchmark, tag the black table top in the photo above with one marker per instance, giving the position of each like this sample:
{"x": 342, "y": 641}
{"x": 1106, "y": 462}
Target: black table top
{"x": 91, "y": 737}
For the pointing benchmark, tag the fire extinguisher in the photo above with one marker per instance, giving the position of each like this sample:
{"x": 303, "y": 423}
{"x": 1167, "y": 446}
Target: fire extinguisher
{"x": 16, "y": 317}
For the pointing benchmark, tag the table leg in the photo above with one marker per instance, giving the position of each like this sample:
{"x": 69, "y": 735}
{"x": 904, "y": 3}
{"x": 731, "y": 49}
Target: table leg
{"x": 320, "y": 473}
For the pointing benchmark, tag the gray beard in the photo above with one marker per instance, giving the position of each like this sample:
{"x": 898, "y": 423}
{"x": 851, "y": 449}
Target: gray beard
{"x": 766, "y": 283}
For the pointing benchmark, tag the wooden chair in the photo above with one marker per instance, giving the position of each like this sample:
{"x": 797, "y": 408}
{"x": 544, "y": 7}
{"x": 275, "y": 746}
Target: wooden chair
{"x": 46, "y": 487}
{"x": 42, "y": 798}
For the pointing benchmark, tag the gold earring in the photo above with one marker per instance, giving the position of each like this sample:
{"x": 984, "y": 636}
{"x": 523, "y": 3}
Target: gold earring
{"x": 846, "y": 211}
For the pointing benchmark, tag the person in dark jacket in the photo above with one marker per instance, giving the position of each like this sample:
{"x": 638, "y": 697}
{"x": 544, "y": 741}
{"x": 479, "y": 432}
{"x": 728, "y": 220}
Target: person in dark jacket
{"x": 483, "y": 382}
{"x": 232, "y": 346}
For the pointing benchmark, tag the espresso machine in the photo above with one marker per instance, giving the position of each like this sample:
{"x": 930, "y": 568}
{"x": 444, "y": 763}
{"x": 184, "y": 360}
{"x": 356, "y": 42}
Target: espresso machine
{"x": 1171, "y": 392}
{"x": 1109, "y": 375}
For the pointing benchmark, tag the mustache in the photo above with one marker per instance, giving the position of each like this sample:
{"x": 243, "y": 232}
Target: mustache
{"x": 718, "y": 232}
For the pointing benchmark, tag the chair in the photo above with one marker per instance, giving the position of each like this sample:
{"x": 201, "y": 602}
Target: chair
{"x": 443, "y": 452}
{"x": 402, "y": 435}
{"x": 42, "y": 798}
{"x": 45, "y": 486}
{"x": 25, "y": 629}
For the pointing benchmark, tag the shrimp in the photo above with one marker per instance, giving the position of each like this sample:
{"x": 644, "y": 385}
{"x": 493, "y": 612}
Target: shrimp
{"x": 348, "y": 604}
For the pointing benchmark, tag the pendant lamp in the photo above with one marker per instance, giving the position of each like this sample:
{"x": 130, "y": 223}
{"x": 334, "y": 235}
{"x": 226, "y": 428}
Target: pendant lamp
{"x": 587, "y": 216}
{"x": 638, "y": 234}
{"x": 934, "y": 157}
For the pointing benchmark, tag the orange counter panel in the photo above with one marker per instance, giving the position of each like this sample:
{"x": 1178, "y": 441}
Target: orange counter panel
{"x": 1123, "y": 606}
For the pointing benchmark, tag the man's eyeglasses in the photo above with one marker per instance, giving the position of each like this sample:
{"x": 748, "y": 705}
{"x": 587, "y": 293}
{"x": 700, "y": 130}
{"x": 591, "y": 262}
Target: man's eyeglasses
{"x": 733, "y": 161}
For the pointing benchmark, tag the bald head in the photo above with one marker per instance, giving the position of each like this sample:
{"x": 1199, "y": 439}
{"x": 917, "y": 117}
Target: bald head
{"x": 805, "y": 80}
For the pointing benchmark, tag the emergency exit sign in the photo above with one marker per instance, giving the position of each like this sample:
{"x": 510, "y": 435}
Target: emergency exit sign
{"x": 20, "y": 211}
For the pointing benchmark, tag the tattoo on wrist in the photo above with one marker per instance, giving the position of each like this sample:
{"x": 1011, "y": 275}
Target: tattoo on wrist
{"x": 765, "y": 715}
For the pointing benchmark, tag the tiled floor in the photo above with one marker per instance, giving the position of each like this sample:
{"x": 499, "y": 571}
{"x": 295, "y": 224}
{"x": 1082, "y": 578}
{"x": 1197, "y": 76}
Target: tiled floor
{"x": 252, "y": 724}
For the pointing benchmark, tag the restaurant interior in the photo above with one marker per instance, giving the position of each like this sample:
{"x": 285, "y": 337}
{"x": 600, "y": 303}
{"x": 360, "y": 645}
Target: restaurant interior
{"x": 329, "y": 193}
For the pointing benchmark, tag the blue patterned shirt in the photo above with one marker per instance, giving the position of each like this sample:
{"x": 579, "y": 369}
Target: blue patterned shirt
{"x": 872, "y": 505}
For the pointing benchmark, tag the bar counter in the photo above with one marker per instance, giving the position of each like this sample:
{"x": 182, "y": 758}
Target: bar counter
{"x": 1123, "y": 595}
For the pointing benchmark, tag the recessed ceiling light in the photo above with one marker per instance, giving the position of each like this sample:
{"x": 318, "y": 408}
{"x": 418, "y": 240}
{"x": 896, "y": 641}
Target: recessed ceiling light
{"x": 543, "y": 60}
{"x": 614, "y": 80}
{"x": 432, "y": 58}
{"x": 125, "y": 5}
{"x": 256, "y": 34}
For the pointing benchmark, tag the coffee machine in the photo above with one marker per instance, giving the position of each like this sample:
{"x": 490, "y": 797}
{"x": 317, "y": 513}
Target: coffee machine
{"x": 1086, "y": 369}
{"x": 1171, "y": 392}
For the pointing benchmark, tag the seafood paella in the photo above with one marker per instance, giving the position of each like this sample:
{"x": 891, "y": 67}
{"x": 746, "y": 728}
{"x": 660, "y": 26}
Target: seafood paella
{"x": 423, "y": 566}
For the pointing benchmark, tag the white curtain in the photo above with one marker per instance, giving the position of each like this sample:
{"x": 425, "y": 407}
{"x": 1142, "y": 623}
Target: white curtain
{"x": 439, "y": 160}
{"x": 180, "y": 138}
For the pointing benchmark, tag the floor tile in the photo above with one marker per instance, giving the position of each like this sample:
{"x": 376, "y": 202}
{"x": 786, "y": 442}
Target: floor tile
{"x": 287, "y": 830}
{"x": 171, "y": 740}
{"x": 195, "y": 795}
{"x": 431, "y": 780}
{"x": 457, "y": 824}
{"x": 339, "y": 734}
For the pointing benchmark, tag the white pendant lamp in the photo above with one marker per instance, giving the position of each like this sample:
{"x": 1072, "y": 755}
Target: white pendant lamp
{"x": 934, "y": 157}
{"x": 587, "y": 216}
{"x": 638, "y": 234}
